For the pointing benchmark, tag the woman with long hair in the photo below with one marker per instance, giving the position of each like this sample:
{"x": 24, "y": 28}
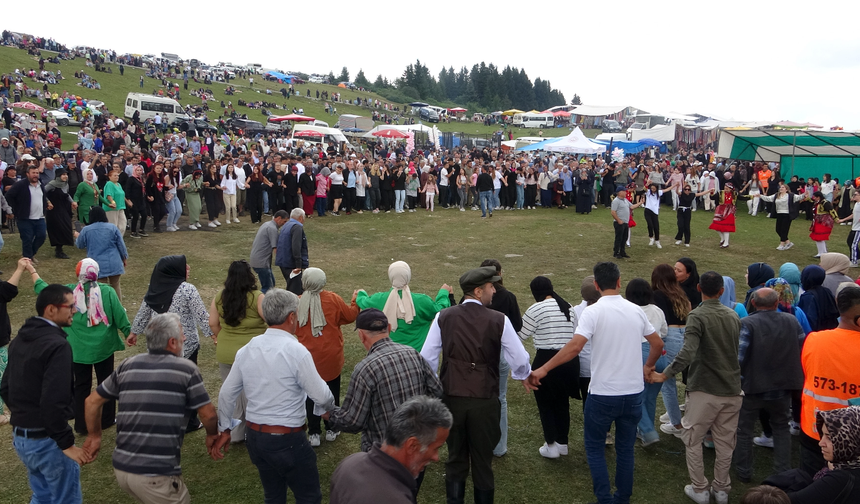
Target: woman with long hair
{"x": 170, "y": 292}
{"x": 230, "y": 184}
{"x": 254, "y": 182}
{"x": 670, "y": 297}
{"x": 724, "y": 214}
{"x": 235, "y": 316}
{"x": 211, "y": 192}
{"x": 551, "y": 322}
{"x": 822, "y": 222}
{"x": 155, "y": 187}
{"x": 193, "y": 186}
{"x": 307, "y": 186}
{"x": 171, "y": 196}
{"x": 373, "y": 187}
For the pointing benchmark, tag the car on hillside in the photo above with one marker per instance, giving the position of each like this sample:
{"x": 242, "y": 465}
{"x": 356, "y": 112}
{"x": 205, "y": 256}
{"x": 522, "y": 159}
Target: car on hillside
{"x": 65, "y": 119}
{"x": 194, "y": 126}
{"x": 611, "y": 126}
{"x": 316, "y": 79}
{"x": 246, "y": 126}
{"x": 428, "y": 114}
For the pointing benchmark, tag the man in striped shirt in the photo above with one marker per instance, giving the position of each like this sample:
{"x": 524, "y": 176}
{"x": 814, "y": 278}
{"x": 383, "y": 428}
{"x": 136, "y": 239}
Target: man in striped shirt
{"x": 156, "y": 391}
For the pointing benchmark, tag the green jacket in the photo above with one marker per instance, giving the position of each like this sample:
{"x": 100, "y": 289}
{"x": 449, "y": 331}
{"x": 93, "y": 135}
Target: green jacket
{"x": 710, "y": 348}
{"x": 426, "y": 309}
{"x": 85, "y": 197}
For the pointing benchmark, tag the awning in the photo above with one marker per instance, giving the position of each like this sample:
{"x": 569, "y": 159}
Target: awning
{"x": 598, "y": 111}
{"x": 770, "y": 146}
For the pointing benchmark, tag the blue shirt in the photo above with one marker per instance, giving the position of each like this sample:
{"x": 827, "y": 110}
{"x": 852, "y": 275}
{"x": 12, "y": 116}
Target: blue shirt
{"x": 350, "y": 180}
{"x": 105, "y": 246}
{"x": 567, "y": 179}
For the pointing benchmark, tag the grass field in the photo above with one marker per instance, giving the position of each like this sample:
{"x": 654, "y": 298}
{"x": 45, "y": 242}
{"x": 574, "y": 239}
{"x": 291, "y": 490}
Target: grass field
{"x": 115, "y": 88}
{"x": 355, "y": 252}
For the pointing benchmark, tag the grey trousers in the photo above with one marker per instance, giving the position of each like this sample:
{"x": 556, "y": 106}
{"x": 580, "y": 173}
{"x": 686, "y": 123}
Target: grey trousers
{"x": 237, "y": 435}
{"x": 779, "y": 417}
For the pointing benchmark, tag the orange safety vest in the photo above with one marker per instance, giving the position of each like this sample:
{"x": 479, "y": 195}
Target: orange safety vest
{"x": 830, "y": 365}
{"x": 764, "y": 178}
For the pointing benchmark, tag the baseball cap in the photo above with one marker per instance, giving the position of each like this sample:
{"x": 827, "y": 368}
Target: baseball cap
{"x": 27, "y": 157}
{"x": 371, "y": 319}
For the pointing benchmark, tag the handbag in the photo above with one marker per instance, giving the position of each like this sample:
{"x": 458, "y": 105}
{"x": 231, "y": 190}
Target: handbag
{"x": 168, "y": 197}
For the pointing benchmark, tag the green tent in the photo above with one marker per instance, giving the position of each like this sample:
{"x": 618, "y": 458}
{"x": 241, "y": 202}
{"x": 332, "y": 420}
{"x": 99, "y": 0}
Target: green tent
{"x": 801, "y": 153}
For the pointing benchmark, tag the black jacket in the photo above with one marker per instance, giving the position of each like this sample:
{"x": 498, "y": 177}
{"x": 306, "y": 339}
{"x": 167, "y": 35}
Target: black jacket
{"x": 18, "y": 197}
{"x": 38, "y": 383}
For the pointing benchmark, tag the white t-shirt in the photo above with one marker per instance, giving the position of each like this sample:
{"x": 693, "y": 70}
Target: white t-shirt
{"x": 615, "y": 328}
{"x": 443, "y": 177}
{"x": 855, "y": 224}
{"x": 828, "y": 187}
{"x": 497, "y": 179}
{"x": 585, "y": 353}
{"x": 652, "y": 201}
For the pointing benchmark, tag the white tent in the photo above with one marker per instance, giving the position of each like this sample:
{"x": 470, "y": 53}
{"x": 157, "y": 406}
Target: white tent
{"x": 664, "y": 133}
{"x": 597, "y": 110}
{"x": 576, "y": 143}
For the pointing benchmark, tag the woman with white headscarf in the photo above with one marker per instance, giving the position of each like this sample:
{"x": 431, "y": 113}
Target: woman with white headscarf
{"x": 410, "y": 315}
{"x": 94, "y": 335}
{"x": 88, "y": 195}
{"x": 320, "y": 315}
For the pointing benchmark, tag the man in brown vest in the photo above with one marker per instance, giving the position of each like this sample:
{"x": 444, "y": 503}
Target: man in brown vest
{"x": 472, "y": 338}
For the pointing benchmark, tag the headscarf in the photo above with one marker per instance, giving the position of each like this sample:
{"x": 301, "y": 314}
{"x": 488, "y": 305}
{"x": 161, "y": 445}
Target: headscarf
{"x": 97, "y": 214}
{"x": 758, "y": 274}
{"x": 811, "y": 279}
{"x": 310, "y": 305}
{"x": 57, "y": 183}
{"x": 727, "y": 298}
{"x": 399, "y": 306}
{"x": 167, "y": 275}
{"x": 325, "y": 172}
{"x": 542, "y": 287}
{"x": 843, "y": 428}
{"x": 93, "y": 183}
{"x": 835, "y": 262}
{"x": 791, "y": 274}
{"x": 786, "y": 294}
{"x": 88, "y": 276}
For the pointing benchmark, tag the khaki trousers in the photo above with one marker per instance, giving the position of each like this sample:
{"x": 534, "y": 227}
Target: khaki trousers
{"x": 720, "y": 415}
{"x": 117, "y": 218}
{"x": 153, "y": 489}
{"x": 113, "y": 281}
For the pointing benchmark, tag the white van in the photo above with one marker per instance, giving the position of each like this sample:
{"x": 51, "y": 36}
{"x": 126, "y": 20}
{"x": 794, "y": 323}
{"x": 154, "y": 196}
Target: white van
{"x": 528, "y": 120}
{"x": 149, "y": 105}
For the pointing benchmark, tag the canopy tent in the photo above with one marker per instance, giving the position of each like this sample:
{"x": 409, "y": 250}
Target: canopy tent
{"x": 802, "y": 153}
{"x": 794, "y": 125}
{"x": 402, "y": 127}
{"x": 560, "y": 113}
{"x": 574, "y": 143}
{"x": 457, "y": 109}
{"x": 512, "y": 112}
{"x": 597, "y": 110}
{"x": 281, "y": 77}
{"x": 665, "y": 133}
{"x": 545, "y": 145}
{"x": 292, "y": 117}
{"x": 628, "y": 147}
{"x": 336, "y": 134}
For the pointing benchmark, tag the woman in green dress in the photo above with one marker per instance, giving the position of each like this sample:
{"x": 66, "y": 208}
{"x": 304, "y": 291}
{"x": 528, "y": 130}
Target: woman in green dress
{"x": 87, "y": 196}
{"x": 193, "y": 185}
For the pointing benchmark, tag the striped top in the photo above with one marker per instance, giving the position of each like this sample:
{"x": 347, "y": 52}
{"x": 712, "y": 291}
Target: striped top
{"x": 548, "y": 325}
{"x": 156, "y": 392}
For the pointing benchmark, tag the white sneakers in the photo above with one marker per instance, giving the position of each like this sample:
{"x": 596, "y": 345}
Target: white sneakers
{"x": 703, "y": 497}
{"x": 781, "y": 247}
{"x": 664, "y": 418}
{"x": 763, "y": 441}
{"x": 216, "y": 222}
{"x": 651, "y": 242}
{"x": 671, "y": 429}
{"x": 553, "y": 451}
{"x": 192, "y": 227}
{"x": 212, "y": 224}
{"x": 721, "y": 497}
{"x": 313, "y": 438}
{"x": 677, "y": 242}
{"x": 658, "y": 244}
{"x": 331, "y": 435}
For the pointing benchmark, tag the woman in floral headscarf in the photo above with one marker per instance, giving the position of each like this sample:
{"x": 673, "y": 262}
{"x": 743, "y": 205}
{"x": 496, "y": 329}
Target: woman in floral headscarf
{"x": 840, "y": 446}
{"x": 93, "y": 335}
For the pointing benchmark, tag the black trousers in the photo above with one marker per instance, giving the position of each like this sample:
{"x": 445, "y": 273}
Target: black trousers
{"x": 443, "y": 196}
{"x": 138, "y": 217}
{"x": 553, "y": 396}
{"x": 313, "y": 420}
{"x": 783, "y": 226}
{"x": 653, "y": 221}
{"x": 473, "y": 436}
{"x": 620, "y": 238}
{"x": 294, "y": 285}
{"x": 193, "y": 421}
{"x": 684, "y": 215}
{"x": 531, "y": 195}
{"x": 212, "y": 205}
{"x": 349, "y": 199}
{"x": 83, "y": 387}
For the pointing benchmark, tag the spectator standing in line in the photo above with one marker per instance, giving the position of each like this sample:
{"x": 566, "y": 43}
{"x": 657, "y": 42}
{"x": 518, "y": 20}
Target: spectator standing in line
{"x": 615, "y": 328}
{"x": 29, "y": 202}
{"x": 265, "y": 243}
{"x": 714, "y": 394}
{"x": 620, "y": 210}
{"x": 292, "y": 250}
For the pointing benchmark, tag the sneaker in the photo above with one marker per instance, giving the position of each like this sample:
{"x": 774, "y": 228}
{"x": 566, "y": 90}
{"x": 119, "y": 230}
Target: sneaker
{"x": 198, "y": 225}
{"x": 172, "y": 229}
{"x": 361, "y": 212}
{"x": 609, "y": 439}
{"x": 677, "y": 242}
{"x": 671, "y": 429}
{"x": 781, "y": 247}
{"x": 788, "y": 245}
{"x": 720, "y": 496}
{"x": 658, "y": 244}
{"x": 562, "y": 449}
{"x": 217, "y": 223}
{"x": 228, "y": 221}
{"x": 763, "y": 441}
{"x": 212, "y": 224}
{"x": 331, "y": 435}
{"x": 854, "y": 265}
{"x": 236, "y": 221}
{"x": 549, "y": 451}
{"x": 708, "y": 442}
{"x": 314, "y": 439}
{"x": 682, "y": 407}
{"x": 651, "y": 242}
{"x": 794, "y": 428}
{"x": 703, "y": 497}
{"x": 664, "y": 418}
{"x": 141, "y": 233}
{"x": 134, "y": 235}
{"x": 192, "y": 227}
{"x": 462, "y": 209}
{"x": 687, "y": 245}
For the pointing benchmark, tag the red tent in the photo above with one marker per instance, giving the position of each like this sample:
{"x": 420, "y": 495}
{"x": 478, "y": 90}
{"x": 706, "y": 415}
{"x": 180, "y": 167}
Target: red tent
{"x": 390, "y": 133}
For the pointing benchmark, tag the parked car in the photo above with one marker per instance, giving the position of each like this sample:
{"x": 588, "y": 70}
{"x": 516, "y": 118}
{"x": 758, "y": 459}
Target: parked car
{"x": 194, "y": 126}
{"x": 637, "y": 126}
{"x": 246, "y": 125}
{"x": 428, "y": 114}
{"x": 611, "y": 126}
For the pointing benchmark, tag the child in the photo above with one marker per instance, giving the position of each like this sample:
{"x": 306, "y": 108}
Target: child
{"x": 724, "y": 214}
{"x": 429, "y": 191}
{"x": 412, "y": 184}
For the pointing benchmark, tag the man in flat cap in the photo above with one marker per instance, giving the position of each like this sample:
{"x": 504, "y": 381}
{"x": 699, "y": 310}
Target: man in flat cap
{"x": 472, "y": 338}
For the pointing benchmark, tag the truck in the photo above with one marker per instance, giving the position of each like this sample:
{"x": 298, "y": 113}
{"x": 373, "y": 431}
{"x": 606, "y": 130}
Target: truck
{"x": 355, "y": 121}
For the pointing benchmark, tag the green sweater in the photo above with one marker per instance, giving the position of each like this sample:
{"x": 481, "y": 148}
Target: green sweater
{"x": 85, "y": 197}
{"x": 91, "y": 345}
{"x": 711, "y": 343}
{"x": 426, "y": 309}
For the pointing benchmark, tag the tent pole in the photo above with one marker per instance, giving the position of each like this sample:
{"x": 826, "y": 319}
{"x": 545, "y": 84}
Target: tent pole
{"x": 793, "y": 147}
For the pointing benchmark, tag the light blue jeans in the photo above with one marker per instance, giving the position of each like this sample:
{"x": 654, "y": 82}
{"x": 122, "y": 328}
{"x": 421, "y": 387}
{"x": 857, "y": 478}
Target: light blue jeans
{"x": 486, "y": 203}
{"x": 174, "y": 211}
{"x": 672, "y": 345}
{"x": 399, "y": 199}
{"x": 504, "y": 371}
{"x": 53, "y": 476}
{"x": 496, "y": 201}
{"x": 521, "y": 196}
{"x": 649, "y": 398}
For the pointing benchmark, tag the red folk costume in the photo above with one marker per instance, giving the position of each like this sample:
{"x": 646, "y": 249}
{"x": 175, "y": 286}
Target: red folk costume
{"x": 822, "y": 222}
{"x": 631, "y": 190}
{"x": 724, "y": 214}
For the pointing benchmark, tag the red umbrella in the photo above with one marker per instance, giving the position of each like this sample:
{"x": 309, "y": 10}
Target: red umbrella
{"x": 292, "y": 117}
{"x": 309, "y": 133}
{"x": 457, "y": 109}
{"x": 29, "y": 106}
{"x": 390, "y": 133}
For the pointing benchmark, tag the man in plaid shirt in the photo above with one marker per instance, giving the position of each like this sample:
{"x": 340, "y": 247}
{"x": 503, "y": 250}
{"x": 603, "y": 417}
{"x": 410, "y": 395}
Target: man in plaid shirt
{"x": 390, "y": 375}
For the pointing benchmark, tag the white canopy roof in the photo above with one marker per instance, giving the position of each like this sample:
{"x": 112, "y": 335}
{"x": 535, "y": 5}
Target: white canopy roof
{"x": 597, "y": 110}
{"x": 663, "y": 133}
{"x": 403, "y": 127}
{"x": 576, "y": 143}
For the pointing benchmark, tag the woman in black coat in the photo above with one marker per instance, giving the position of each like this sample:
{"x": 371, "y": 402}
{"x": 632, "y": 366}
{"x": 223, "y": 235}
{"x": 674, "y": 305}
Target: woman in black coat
{"x": 136, "y": 193}
{"x": 58, "y": 215}
{"x": 155, "y": 187}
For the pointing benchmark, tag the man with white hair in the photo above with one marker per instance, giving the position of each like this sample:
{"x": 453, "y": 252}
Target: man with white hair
{"x": 156, "y": 391}
{"x": 8, "y": 154}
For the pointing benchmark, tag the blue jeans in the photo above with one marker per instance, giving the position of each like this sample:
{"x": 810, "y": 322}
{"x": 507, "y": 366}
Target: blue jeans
{"x": 265, "y": 201}
{"x": 496, "y": 201}
{"x": 486, "y": 202}
{"x": 1, "y": 242}
{"x": 600, "y": 412}
{"x": 267, "y": 278}
{"x": 504, "y": 371}
{"x": 33, "y": 233}
{"x": 53, "y": 476}
{"x": 320, "y": 205}
{"x": 174, "y": 211}
{"x": 285, "y": 461}
{"x": 672, "y": 345}
{"x": 521, "y": 196}
{"x": 399, "y": 199}
{"x": 649, "y": 398}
